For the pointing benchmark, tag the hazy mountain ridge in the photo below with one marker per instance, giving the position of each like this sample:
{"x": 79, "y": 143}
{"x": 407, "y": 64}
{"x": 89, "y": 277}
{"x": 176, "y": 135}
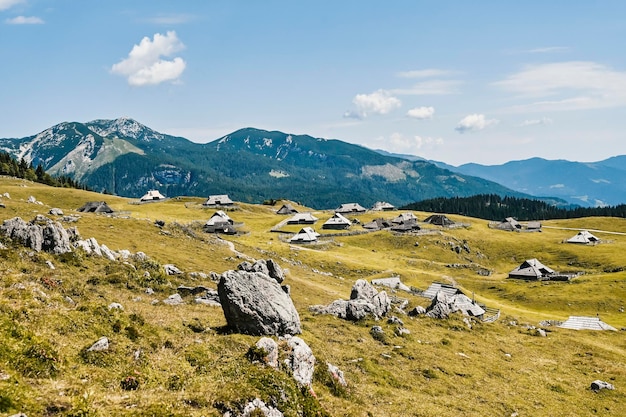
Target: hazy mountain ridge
{"x": 585, "y": 183}
{"x": 124, "y": 157}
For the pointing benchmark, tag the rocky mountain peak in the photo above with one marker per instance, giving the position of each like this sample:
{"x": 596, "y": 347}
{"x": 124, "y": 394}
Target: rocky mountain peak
{"x": 124, "y": 127}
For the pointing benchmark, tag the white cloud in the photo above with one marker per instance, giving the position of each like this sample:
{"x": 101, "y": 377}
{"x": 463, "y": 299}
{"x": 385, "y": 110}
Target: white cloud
{"x": 378, "y": 102}
{"x": 7, "y": 4}
{"x": 425, "y": 73}
{"x": 25, "y": 20}
{"x": 421, "y": 113}
{"x": 534, "y": 122}
{"x": 570, "y": 85}
{"x": 548, "y": 49}
{"x": 400, "y": 143}
{"x": 474, "y": 123}
{"x": 170, "y": 19}
{"x": 430, "y": 87}
{"x": 144, "y": 65}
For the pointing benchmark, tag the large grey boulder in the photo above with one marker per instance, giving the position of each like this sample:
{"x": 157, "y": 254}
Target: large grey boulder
{"x": 267, "y": 267}
{"x": 50, "y": 236}
{"x": 440, "y": 307}
{"x": 301, "y": 361}
{"x": 254, "y": 303}
{"x": 362, "y": 290}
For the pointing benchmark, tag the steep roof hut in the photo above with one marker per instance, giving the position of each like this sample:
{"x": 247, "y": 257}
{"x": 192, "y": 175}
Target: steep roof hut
{"x": 350, "y": 208}
{"x": 532, "y": 269}
{"x": 218, "y": 200}
{"x": 220, "y": 222}
{"x": 383, "y": 206}
{"x": 305, "y": 235}
{"x": 95, "y": 207}
{"x": 338, "y": 221}
{"x": 404, "y": 218}
{"x": 439, "y": 220}
{"x": 583, "y": 237}
{"x": 378, "y": 224}
{"x": 510, "y": 224}
{"x": 286, "y": 209}
{"x": 585, "y": 323}
{"x": 152, "y": 195}
{"x": 302, "y": 218}
{"x": 435, "y": 287}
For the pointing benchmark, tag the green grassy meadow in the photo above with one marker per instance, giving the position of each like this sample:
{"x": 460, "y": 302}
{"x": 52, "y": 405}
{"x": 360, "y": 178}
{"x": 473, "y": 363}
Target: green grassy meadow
{"x": 187, "y": 363}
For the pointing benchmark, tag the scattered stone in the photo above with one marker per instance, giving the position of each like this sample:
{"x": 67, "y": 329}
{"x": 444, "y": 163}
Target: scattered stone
{"x": 364, "y": 301}
{"x": 598, "y": 385}
{"x": 198, "y": 275}
{"x": 254, "y": 303}
{"x": 56, "y": 211}
{"x": 141, "y": 257}
{"x": 210, "y": 297}
{"x": 540, "y": 333}
{"x": 69, "y": 300}
{"x": 101, "y": 345}
{"x": 185, "y": 290}
{"x": 402, "y": 331}
{"x": 6, "y": 195}
{"x": 18, "y": 415}
{"x": 171, "y": 270}
{"x": 107, "y": 253}
{"x": 417, "y": 311}
{"x": 124, "y": 254}
{"x": 270, "y": 347}
{"x": 116, "y": 306}
{"x": 258, "y": 408}
{"x": 301, "y": 361}
{"x": 377, "y": 330}
{"x": 174, "y": 300}
{"x": 159, "y": 223}
{"x": 50, "y": 265}
{"x": 393, "y": 283}
{"x": 395, "y": 320}
{"x": 149, "y": 290}
{"x": 362, "y": 290}
{"x": 336, "y": 374}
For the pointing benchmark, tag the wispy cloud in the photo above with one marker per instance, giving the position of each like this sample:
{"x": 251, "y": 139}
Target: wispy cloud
{"x": 548, "y": 49}
{"x": 425, "y": 73}
{"x": 572, "y": 85}
{"x": 421, "y": 113}
{"x": 474, "y": 123}
{"x": 378, "y": 102}
{"x": 430, "y": 87}
{"x": 400, "y": 143}
{"x": 535, "y": 122}
{"x": 144, "y": 65}
{"x": 170, "y": 19}
{"x": 7, "y": 4}
{"x": 25, "y": 20}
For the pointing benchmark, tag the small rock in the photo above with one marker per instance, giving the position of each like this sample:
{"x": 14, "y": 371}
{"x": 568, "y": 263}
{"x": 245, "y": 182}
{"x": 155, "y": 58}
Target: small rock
{"x": 56, "y": 211}
{"x": 149, "y": 290}
{"x": 270, "y": 347}
{"x": 172, "y": 270}
{"x": 417, "y": 311}
{"x": 116, "y": 306}
{"x": 257, "y": 407}
{"x": 597, "y": 385}
{"x": 301, "y": 361}
{"x": 402, "y": 331}
{"x": 395, "y": 320}
{"x": 50, "y": 265}
{"x": 337, "y": 374}
{"x": 101, "y": 345}
{"x": 174, "y": 300}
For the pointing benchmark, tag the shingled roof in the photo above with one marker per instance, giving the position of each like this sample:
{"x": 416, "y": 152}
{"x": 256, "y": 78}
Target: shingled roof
{"x": 585, "y": 323}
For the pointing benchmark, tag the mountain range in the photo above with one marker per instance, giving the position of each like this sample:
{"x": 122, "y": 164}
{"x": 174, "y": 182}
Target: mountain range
{"x": 126, "y": 158}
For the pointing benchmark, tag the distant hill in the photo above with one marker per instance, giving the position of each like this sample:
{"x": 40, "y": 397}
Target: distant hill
{"x": 126, "y": 158}
{"x": 589, "y": 184}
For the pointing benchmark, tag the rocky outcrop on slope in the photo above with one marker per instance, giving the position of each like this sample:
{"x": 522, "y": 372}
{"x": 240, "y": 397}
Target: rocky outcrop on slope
{"x": 255, "y": 303}
{"x": 364, "y": 300}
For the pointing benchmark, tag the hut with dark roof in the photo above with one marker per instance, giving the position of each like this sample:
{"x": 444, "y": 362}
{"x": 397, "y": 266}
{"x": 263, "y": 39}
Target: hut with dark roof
{"x": 95, "y": 207}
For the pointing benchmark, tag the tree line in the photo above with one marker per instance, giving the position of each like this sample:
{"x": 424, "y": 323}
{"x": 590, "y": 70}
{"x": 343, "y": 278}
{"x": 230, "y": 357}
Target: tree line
{"x": 495, "y": 207}
{"x": 22, "y": 169}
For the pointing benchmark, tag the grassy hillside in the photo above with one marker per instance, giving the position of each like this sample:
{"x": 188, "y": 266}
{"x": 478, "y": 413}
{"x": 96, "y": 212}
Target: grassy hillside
{"x": 188, "y": 364}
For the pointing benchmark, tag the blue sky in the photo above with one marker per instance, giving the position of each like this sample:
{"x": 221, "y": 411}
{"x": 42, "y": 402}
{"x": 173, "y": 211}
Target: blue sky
{"x": 453, "y": 81}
